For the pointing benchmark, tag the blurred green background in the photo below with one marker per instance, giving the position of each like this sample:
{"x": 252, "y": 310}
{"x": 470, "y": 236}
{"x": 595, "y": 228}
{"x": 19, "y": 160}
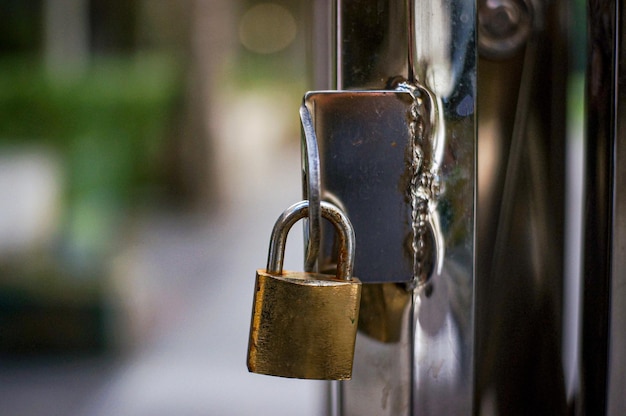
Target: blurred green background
{"x": 110, "y": 110}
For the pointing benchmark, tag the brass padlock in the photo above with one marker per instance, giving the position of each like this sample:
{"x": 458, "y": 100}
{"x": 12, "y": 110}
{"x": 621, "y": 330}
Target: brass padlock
{"x": 304, "y": 324}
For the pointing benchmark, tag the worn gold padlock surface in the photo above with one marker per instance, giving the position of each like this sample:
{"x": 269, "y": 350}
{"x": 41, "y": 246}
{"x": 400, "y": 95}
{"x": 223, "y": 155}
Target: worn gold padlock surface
{"x": 312, "y": 321}
{"x": 304, "y": 324}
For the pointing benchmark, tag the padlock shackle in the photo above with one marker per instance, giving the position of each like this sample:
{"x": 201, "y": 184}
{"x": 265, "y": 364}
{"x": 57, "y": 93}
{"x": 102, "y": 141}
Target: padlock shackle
{"x": 299, "y": 210}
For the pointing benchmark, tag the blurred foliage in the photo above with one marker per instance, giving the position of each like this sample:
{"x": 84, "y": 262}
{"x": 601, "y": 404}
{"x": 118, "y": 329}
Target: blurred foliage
{"x": 285, "y": 69}
{"x": 109, "y": 123}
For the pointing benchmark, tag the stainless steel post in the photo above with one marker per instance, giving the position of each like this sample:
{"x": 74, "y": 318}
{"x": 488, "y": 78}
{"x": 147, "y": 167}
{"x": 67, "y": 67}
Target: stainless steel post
{"x": 487, "y": 338}
{"x": 603, "y": 375}
{"x": 520, "y": 231}
{"x": 428, "y": 369}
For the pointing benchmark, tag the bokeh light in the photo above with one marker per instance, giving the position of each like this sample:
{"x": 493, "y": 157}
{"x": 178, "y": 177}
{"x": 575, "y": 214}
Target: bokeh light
{"x": 267, "y": 28}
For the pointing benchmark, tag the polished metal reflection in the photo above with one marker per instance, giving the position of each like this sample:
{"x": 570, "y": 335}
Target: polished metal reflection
{"x": 520, "y": 342}
{"x": 520, "y": 209}
{"x": 382, "y": 307}
{"x": 369, "y": 167}
{"x": 418, "y": 359}
{"x": 604, "y": 290}
{"x": 443, "y": 313}
{"x": 617, "y": 343}
{"x": 504, "y": 26}
{"x": 372, "y": 43}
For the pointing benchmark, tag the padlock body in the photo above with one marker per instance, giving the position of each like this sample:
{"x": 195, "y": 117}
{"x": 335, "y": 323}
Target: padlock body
{"x": 303, "y": 325}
